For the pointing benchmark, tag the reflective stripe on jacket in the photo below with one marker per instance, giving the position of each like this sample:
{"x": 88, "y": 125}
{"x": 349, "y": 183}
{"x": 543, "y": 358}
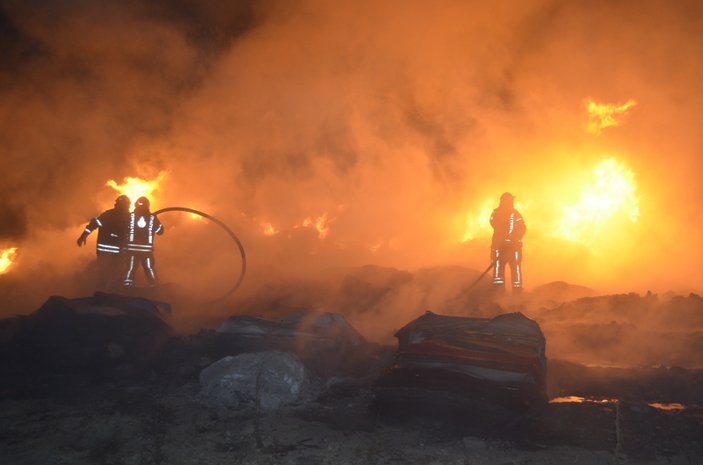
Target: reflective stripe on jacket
{"x": 142, "y": 228}
{"x": 112, "y": 230}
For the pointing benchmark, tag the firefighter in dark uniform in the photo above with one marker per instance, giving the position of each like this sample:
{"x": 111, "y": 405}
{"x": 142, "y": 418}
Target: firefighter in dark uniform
{"x": 139, "y": 248}
{"x": 506, "y": 246}
{"x": 112, "y": 234}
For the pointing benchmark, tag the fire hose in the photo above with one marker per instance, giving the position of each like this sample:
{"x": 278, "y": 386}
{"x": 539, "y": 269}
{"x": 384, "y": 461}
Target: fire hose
{"x": 229, "y": 232}
{"x": 473, "y": 284}
{"x": 480, "y": 277}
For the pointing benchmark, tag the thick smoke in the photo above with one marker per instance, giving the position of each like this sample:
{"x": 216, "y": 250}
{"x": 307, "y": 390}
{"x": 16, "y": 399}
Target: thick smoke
{"x": 385, "y": 123}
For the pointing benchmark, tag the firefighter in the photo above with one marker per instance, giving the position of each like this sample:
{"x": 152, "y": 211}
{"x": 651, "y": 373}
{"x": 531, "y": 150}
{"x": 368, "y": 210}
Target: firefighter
{"x": 112, "y": 233}
{"x": 506, "y": 246}
{"x": 139, "y": 248}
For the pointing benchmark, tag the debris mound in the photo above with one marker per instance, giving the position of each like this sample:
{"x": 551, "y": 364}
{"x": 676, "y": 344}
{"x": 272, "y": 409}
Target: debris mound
{"x": 467, "y": 363}
{"x": 96, "y": 337}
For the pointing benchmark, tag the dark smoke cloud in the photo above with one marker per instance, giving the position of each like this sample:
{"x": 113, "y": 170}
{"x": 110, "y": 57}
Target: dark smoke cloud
{"x": 84, "y": 83}
{"x": 13, "y": 223}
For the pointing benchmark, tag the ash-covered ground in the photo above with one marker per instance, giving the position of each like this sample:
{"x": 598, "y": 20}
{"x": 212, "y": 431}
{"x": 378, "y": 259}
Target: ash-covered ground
{"x": 624, "y": 381}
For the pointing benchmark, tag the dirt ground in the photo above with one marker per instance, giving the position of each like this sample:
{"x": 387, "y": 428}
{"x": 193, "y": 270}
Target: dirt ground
{"x": 162, "y": 419}
{"x": 649, "y": 413}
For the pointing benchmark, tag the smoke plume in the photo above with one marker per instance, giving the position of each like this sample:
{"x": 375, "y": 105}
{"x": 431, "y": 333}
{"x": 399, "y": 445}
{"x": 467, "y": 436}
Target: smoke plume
{"x": 334, "y": 135}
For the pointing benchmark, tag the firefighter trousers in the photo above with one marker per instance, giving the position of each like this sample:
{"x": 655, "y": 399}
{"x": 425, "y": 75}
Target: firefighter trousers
{"x": 511, "y": 256}
{"x": 133, "y": 260}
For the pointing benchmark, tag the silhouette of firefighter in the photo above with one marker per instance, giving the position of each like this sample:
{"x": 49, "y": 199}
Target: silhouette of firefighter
{"x": 139, "y": 248}
{"x": 506, "y": 246}
{"x": 112, "y": 234}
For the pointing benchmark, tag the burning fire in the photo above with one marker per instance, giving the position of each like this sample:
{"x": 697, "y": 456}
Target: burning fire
{"x": 134, "y": 187}
{"x": 605, "y": 115}
{"x": 611, "y": 193}
{"x": 268, "y": 228}
{"x": 321, "y": 225}
{"x": 608, "y": 194}
{"x": 477, "y": 222}
{"x": 7, "y": 257}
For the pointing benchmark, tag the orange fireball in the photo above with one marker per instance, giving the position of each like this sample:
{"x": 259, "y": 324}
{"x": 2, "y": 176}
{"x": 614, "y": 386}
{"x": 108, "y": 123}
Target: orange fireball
{"x": 7, "y": 257}
{"x": 610, "y": 193}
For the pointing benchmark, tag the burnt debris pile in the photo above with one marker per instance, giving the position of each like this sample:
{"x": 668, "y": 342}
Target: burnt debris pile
{"x": 497, "y": 361}
{"x": 95, "y": 337}
{"x": 467, "y": 363}
{"x": 325, "y": 342}
{"x": 109, "y": 337}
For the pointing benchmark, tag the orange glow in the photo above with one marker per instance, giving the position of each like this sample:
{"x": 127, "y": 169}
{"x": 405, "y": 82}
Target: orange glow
{"x": 605, "y": 115}
{"x": 134, "y": 187}
{"x": 579, "y": 400}
{"x": 611, "y": 193}
{"x": 268, "y": 229}
{"x": 669, "y": 407}
{"x": 321, "y": 225}
{"x": 7, "y": 257}
{"x": 477, "y": 222}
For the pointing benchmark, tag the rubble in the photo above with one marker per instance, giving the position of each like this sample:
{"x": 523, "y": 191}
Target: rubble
{"x": 99, "y": 336}
{"x": 469, "y": 361}
{"x": 252, "y": 404}
{"x": 325, "y": 342}
{"x": 627, "y": 330}
{"x": 265, "y": 380}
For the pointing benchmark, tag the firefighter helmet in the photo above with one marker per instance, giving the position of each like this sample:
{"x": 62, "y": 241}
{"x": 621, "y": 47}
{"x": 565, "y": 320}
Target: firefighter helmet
{"x": 142, "y": 203}
{"x": 122, "y": 202}
{"x": 507, "y": 199}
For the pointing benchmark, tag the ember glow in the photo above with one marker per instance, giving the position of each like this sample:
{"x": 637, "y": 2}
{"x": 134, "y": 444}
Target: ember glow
{"x": 134, "y": 187}
{"x": 321, "y": 224}
{"x": 610, "y": 195}
{"x": 7, "y": 257}
{"x": 605, "y": 115}
{"x": 668, "y": 407}
{"x": 580, "y": 400}
{"x": 268, "y": 229}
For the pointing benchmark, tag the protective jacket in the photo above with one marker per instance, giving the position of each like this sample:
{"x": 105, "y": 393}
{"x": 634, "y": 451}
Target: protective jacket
{"x": 141, "y": 230}
{"x": 112, "y": 230}
{"x": 508, "y": 227}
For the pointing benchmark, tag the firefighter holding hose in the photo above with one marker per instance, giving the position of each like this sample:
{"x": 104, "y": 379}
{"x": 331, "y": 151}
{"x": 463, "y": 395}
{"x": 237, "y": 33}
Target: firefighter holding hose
{"x": 506, "y": 245}
{"x": 139, "y": 247}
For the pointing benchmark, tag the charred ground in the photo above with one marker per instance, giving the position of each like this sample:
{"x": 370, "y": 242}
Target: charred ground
{"x": 113, "y": 399}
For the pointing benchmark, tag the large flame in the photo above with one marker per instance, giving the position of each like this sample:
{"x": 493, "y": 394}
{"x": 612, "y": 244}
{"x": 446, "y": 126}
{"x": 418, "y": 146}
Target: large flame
{"x": 611, "y": 193}
{"x": 134, "y": 187}
{"x": 477, "y": 221}
{"x": 605, "y": 115}
{"x": 7, "y": 257}
{"x": 600, "y": 199}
